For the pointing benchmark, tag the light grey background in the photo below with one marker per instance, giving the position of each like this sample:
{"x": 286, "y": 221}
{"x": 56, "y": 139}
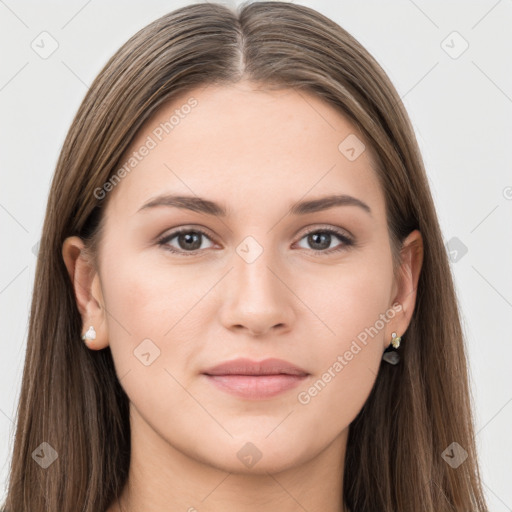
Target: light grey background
{"x": 460, "y": 105}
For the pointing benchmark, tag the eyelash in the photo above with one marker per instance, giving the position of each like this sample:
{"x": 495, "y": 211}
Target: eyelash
{"x": 347, "y": 241}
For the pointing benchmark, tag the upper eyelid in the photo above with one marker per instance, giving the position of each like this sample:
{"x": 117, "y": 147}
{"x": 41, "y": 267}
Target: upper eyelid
{"x": 308, "y": 229}
{"x": 313, "y": 228}
{"x": 167, "y": 235}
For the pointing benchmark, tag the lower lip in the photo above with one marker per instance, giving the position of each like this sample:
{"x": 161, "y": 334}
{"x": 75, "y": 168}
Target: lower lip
{"x": 256, "y": 386}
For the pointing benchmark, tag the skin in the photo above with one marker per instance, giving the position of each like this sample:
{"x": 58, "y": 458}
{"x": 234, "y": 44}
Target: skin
{"x": 256, "y": 152}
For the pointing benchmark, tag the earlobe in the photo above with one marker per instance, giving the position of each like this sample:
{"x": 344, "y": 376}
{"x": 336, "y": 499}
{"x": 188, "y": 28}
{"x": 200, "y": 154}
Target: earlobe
{"x": 87, "y": 290}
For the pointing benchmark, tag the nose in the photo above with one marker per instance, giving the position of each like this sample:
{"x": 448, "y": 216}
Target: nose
{"x": 256, "y": 298}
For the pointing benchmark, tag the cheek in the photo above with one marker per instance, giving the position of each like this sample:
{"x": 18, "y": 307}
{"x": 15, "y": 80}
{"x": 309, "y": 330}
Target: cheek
{"x": 147, "y": 293}
{"x": 355, "y": 307}
{"x": 352, "y": 298}
{"x": 150, "y": 320}
{"x": 362, "y": 298}
{"x": 156, "y": 308}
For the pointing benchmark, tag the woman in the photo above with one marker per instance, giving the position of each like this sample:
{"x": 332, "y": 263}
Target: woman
{"x": 242, "y": 300}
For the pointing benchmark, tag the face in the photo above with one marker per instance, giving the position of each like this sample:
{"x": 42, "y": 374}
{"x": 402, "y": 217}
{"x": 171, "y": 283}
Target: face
{"x": 186, "y": 288}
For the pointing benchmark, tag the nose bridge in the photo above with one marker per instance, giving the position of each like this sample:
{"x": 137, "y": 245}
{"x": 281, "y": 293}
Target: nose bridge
{"x": 256, "y": 297}
{"x": 252, "y": 262}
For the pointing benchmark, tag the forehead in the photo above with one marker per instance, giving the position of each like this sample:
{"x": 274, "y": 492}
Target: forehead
{"x": 240, "y": 144}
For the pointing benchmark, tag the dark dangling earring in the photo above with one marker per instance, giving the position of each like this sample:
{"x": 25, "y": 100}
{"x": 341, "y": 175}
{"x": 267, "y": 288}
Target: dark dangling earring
{"x": 392, "y": 357}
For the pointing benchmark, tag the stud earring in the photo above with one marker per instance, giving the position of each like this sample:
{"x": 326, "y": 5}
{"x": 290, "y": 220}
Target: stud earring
{"x": 90, "y": 334}
{"x": 396, "y": 340}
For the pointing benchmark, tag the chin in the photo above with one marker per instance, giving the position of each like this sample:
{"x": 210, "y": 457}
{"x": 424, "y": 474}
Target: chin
{"x": 249, "y": 456}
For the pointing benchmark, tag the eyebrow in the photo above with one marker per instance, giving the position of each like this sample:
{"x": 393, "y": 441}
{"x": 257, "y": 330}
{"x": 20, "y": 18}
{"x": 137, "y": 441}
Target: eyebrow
{"x": 201, "y": 205}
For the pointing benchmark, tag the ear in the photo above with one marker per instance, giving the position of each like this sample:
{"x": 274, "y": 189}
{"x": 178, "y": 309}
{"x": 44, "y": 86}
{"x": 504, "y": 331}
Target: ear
{"x": 411, "y": 255}
{"x": 87, "y": 288}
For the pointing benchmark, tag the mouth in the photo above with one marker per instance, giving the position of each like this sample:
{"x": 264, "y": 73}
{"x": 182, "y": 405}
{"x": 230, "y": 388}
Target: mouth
{"x": 255, "y": 379}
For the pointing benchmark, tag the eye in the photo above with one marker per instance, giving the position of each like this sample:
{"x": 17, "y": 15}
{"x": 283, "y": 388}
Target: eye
{"x": 321, "y": 239}
{"x": 188, "y": 240}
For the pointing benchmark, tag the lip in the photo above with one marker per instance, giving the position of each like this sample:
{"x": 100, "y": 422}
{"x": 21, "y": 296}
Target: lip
{"x": 255, "y": 379}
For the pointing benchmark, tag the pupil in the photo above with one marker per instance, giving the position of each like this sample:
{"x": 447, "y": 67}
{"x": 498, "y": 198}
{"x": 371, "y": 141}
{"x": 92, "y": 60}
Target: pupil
{"x": 313, "y": 238}
{"x": 188, "y": 237}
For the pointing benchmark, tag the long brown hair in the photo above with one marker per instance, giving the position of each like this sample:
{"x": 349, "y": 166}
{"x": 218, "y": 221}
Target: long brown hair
{"x": 71, "y": 397}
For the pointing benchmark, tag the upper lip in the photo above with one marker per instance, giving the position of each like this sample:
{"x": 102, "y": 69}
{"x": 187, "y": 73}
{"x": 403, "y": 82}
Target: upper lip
{"x": 244, "y": 366}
